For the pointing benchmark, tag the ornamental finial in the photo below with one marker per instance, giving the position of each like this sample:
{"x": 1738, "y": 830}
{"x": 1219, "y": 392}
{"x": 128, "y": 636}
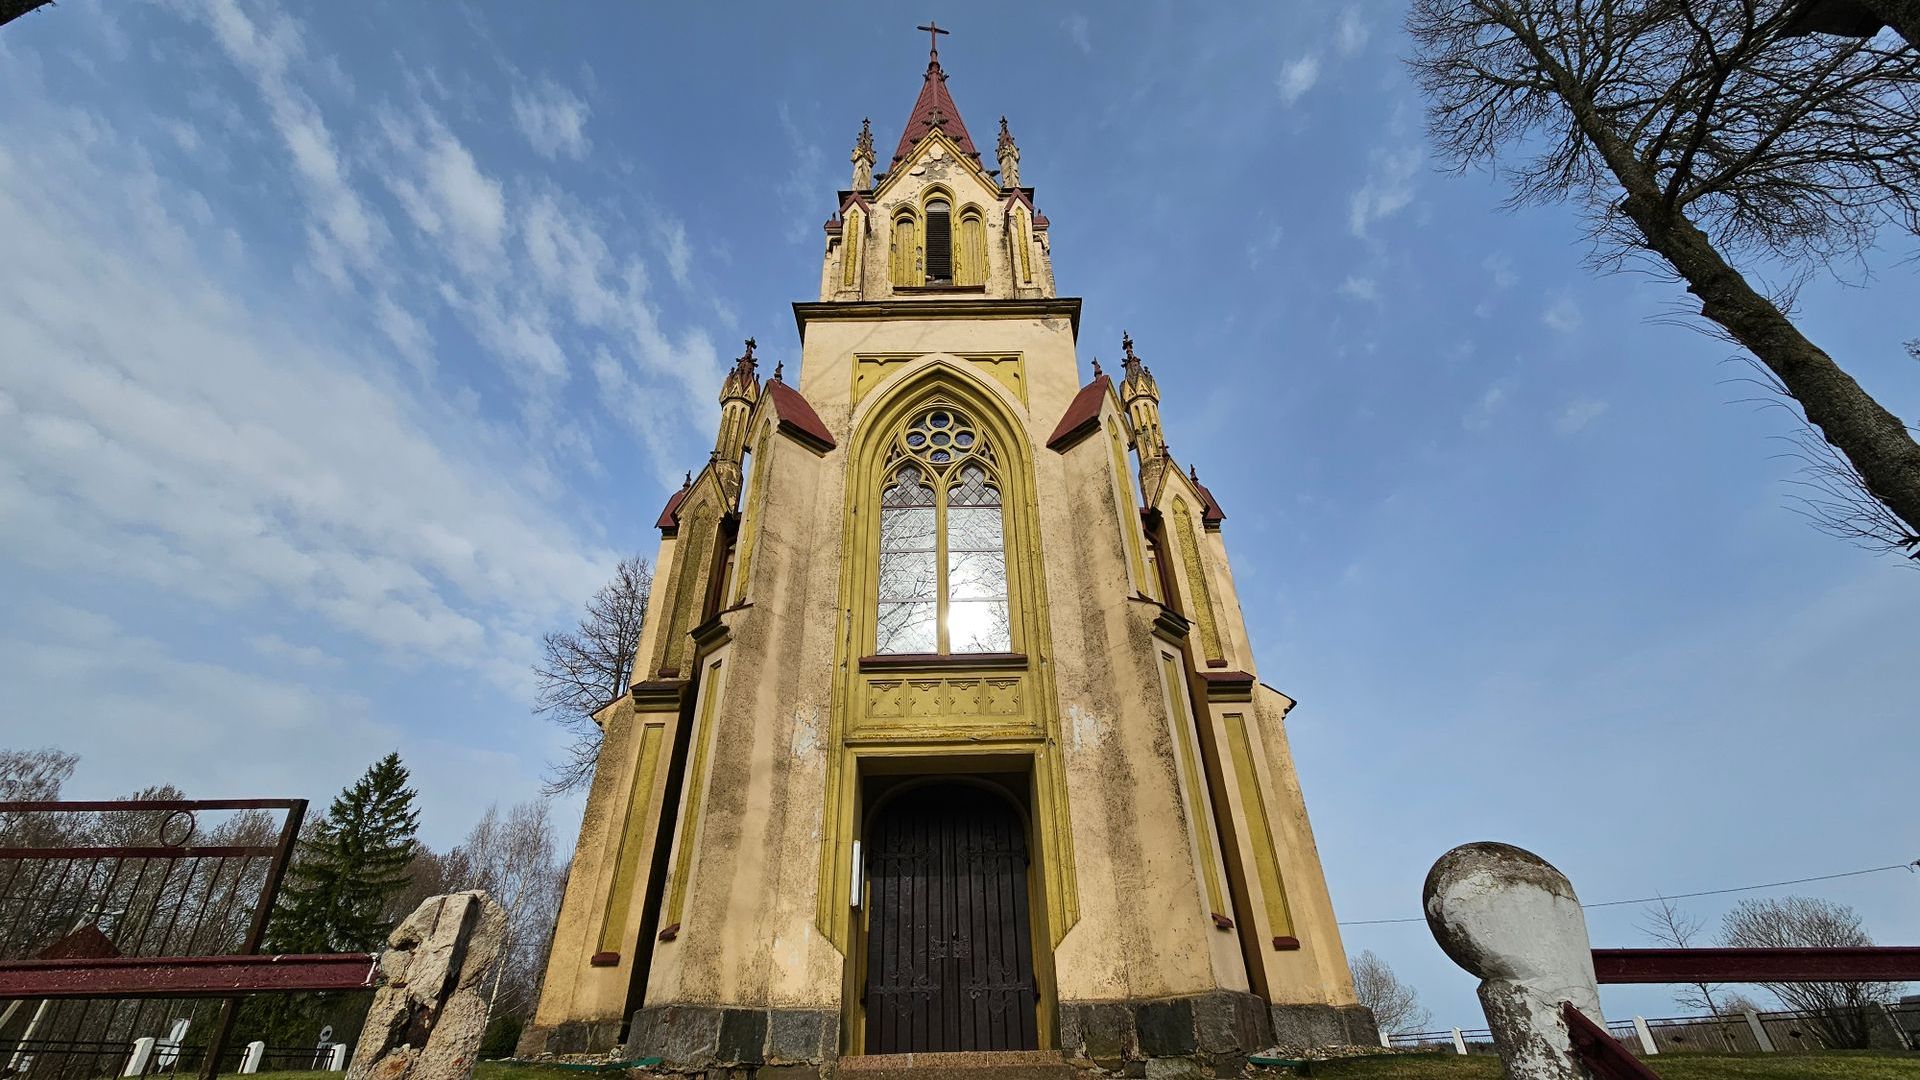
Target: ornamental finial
{"x": 1096, "y": 368}
{"x": 863, "y": 157}
{"x": 778, "y": 367}
{"x": 1009, "y": 156}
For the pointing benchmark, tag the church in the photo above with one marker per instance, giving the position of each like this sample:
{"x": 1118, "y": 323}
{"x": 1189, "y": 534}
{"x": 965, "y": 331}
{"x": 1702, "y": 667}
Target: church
{"x": 944, "y": 732}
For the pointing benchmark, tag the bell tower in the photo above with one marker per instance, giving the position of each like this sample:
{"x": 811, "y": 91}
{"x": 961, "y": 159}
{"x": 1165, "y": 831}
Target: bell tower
{"x": 944, "y": 736}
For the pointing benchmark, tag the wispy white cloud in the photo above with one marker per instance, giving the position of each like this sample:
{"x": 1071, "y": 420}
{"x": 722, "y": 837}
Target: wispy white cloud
{"x": 1079, "y": 31}
{"x": 1360, "y": 288}
{"x": 1563, "y": 315}
{"x": 1387, "y": 190}
{"x": 805, "y": 179}
{"x": 553, "y": 119}
{"x": 1297, "y": 76}
{"x": 345, "y": 235}
{"x": 1351, "y": 32}
{"x": 159, "y": 429}
{"x": 275, "y": 647}
{"x": 1491, "y": 400}
{"x": 1499, "y": 267}
{"x": 1578, "y": 414}
{"x": 672, "y": 233}
{"x": 445, "y": 194}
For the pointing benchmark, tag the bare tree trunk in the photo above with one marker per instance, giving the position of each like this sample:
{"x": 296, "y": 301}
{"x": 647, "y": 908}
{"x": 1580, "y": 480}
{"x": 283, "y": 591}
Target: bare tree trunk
{"x": 13, "y": 9}
{"x": 1874, "y": 440}
{"x": 1902, "y": 15}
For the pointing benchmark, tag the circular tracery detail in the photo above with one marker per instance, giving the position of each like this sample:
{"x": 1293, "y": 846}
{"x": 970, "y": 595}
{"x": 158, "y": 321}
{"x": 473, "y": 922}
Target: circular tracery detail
{"x": 940, "y": 438}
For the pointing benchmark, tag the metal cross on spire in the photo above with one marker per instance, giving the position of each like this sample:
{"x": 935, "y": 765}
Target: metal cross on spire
{"x": 933, "y": 39}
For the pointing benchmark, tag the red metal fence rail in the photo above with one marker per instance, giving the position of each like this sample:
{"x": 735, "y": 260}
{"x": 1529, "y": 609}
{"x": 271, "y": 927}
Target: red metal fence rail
{"x": 115, "y": 916}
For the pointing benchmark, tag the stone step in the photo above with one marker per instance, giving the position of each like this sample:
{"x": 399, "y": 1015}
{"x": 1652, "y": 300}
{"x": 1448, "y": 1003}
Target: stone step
{"x": 967, "y": 1065}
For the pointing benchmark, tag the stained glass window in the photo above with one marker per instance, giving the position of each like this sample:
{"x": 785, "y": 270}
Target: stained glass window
{"x": 943, "y": 561}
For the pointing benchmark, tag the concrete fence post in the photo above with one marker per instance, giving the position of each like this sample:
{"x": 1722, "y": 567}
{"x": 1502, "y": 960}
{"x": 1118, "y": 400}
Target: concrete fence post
{"x": 250, "y": 1061}
{"x": 142, "y": 1053}
{"x": 1647, "y": 1045}
{"x": 337, "y": 1057}
{"x": 430, "y": 1013}
{"x": 1759, "y": 1030}
{"x": 1459, "y": 1042}
{"x": 1386, "y": 1040}
{"x": 1507, "y": 916}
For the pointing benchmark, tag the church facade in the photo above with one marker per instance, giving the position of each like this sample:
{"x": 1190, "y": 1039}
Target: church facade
{"x": 944, "y": 733}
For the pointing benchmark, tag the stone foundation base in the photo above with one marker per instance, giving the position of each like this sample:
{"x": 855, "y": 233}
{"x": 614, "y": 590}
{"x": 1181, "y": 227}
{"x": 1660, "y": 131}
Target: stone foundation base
{"x": 1309, "y": 1026}
{"x": 1218, "y": 1028}
{"x": 573, "y": 1037}
{"x": 1200, "y": 1035}
{"x": 702, "y": 1036}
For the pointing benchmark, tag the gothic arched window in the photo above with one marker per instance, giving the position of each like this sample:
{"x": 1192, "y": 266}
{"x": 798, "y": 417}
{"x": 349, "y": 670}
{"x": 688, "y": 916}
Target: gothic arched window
{"x": 970, "y": 249}
{"x": 943, "y": 559}
{"x": 902, "y": 262}
{"x": 939, "y": 242}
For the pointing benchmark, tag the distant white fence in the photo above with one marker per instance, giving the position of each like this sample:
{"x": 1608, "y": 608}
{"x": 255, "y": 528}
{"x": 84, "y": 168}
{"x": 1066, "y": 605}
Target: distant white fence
{"x": 1897, "y": 1027}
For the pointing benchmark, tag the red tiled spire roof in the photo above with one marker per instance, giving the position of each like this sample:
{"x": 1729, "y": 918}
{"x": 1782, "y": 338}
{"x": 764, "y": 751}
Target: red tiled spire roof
{"x": 934, "y": 104}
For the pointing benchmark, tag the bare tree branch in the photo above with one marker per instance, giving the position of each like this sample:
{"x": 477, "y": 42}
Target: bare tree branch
{"x": 1693, "y": 133}
{"x": 582, "y": 671}
{"x": 1671, "y": 926}
{"x": 1799, "y": 921}
{"x": 1396, "y": 1006}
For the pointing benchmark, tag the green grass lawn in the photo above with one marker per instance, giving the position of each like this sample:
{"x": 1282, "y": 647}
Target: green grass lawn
{"x": 1852, "y": 1065}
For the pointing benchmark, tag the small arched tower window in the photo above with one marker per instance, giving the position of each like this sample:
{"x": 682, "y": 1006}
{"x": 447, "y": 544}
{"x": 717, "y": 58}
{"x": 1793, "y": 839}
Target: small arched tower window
{"x": 970, "y": 253}
{"x": 943, "y": 558}
{"x": 902, "y": 265}
{"x": 939, "y": 242}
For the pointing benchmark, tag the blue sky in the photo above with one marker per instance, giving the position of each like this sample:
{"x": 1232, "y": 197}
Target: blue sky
{"x": 344, "y": 348}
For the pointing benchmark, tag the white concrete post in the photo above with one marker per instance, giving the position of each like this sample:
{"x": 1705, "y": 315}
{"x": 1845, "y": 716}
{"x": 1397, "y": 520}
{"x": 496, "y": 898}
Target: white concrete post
{"x": 1459, "y": 1042}
{"x": 142, "y": 1053}
{"x": 1759, "y": 1030}
{"x": 250, "y": 1061}
{"x": 170, "y": 1046}
{"x": 1507, "y": 916}
{"x": 1386, "y": 1040}
{"x": 1640, "y": 1028}
{"x": 337, "y": 1058}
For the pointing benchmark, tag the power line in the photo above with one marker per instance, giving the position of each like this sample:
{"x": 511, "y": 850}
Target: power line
{"x": 1686, "y": 896}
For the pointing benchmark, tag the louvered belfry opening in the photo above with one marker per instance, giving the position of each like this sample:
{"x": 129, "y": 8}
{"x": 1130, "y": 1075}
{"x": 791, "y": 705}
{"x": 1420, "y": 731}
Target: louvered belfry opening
{"x": 939, "y": 243}
{"x": 949, "y": 946}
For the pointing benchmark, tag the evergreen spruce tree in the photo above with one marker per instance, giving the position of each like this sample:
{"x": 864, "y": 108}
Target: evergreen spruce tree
{"x": 338, "y": 896}
{"x": 338, "y": 892}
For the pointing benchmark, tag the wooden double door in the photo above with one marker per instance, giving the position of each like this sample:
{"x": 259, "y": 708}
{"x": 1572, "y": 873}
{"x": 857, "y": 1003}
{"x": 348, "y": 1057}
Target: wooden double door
{"x": 949, "y": 939}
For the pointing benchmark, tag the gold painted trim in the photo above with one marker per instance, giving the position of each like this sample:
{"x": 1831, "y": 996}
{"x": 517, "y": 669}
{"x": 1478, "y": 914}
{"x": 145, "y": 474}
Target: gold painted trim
{"x": 613, "y": 925}
{"x": 689, "y": 832}
{"x": 1051, "y": 307}
{"x": 1197, "y": 580}
{"x": 756, "y": 514}
{"x": 972, "y": 392}
{"x": 872, "y": 370}
{"x": 1192, "y": 794}
{"x": 1265, "y": 855}
{"x": 1129, "y": 514}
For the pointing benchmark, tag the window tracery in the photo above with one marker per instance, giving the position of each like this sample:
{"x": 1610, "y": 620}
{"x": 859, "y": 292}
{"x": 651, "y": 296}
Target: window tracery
{"x": 943, "y": 562}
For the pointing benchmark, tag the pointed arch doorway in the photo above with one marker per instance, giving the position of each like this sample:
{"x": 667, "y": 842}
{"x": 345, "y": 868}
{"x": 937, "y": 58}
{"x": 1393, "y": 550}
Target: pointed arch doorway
{"x": 949, "y": 934}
